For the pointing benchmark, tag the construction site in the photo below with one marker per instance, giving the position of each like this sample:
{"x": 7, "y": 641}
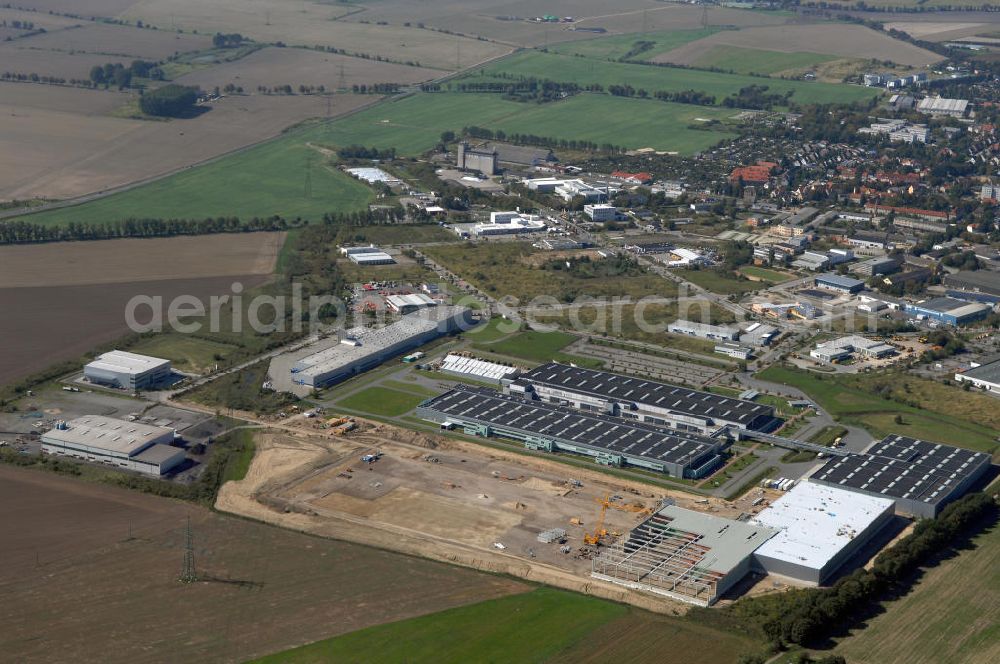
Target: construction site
{"x": 470, "y": 504}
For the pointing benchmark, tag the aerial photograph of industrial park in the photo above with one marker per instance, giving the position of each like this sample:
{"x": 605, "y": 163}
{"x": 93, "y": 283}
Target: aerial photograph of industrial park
{"x": 500, "y": 332}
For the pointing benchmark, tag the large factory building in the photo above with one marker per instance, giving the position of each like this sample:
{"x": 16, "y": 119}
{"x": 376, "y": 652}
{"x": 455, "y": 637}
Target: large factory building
{"x": 819, "y": 529}
{"x": 128, "y": 445}
{"x": 641, "y": 400}
{"x": 127, "y": 371}
{"x": 361, "y": 349}
{"x": 611, "y": 441}
{"x": 920, "y": 476}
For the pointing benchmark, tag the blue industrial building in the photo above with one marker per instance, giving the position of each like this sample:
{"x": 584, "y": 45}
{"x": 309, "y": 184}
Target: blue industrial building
{"x": 949, "y": 310}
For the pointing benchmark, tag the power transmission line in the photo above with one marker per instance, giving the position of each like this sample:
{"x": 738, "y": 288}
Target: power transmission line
{"x": 188, "y": 573}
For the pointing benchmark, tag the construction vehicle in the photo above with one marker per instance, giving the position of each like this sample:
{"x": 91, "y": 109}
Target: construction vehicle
{"x": 594, "y": 539}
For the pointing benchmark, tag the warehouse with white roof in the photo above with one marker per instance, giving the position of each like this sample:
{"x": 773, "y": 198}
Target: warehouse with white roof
{"x": 360, "y": 349}
{"x": 819, "y": 528}
{"x": 127, "y": 371}
{"x": 127, "y": 445}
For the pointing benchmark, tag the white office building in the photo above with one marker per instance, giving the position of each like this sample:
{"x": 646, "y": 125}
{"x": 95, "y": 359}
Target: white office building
{"x": 127, "y": 371}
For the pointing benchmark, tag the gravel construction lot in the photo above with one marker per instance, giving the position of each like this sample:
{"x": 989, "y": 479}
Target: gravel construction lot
{"x": 849, "y": 41}
{"x": 444, "y": 499}
{"x": 82, "y": 560}
{"x": 294, "y": 66}
{"x": 61, "y": 154}
{"x": 134, "y": 260}
{"x": 115, "y": 43}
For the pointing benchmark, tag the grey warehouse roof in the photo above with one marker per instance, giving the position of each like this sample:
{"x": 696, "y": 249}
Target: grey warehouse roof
{"x": 839, "y": 280}
{"x": 615, "y": 435}
{"x": 107, "y": 433}
{"x": 629, "y": 389}
{"x": 903, "y": 467}
{"x": 988, "y": 372}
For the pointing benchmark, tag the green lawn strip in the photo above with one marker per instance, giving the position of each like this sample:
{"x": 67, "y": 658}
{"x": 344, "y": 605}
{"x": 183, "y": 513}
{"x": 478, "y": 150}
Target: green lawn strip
{"x": 409, "y": 388}
{"x": 382, "y": 401}
{"x": 521, "y": 628}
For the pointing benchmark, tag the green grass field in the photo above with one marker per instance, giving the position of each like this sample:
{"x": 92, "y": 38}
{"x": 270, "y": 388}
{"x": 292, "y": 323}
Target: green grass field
{"x": 414, "y": 124}
{"x": 719, "y": 283}
{"x": 759, "y": 61}
{"x": 531, "y": 345}
{"x": 264, "y": 180}
{"x": 401, "y": 234}
{"x": 589, "y": 70}
{"x": 382, "y": 401}
{"x": 186, "y": 352}
{"x": 763, "y": 273}
{"x": 519, "y": 270}
{"x": 238, "y": 463}
{"x": 957, "y": 608}
{"x": 497, "y": 328}
{"x": 271, "y": 178}
{"x": 618, "y": 46}
{"x": 545, "y": 625}
{"x": 941, "y": 413}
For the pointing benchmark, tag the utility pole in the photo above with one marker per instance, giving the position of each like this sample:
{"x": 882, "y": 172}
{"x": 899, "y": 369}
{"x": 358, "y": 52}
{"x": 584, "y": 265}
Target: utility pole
{"x": 704, "y": 16}
{"x": 188, "y": 573}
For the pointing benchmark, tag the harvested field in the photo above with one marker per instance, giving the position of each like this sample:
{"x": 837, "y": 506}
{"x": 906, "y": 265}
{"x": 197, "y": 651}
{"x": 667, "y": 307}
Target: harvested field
{"x": 956, "y": 604}
{"x": 849, "y": 41}
{"x": 312, "y": 23}
{"x": 61, "y": 155}
{"x": 295, "y": 66}
{"x": 71, "y": 297}
{"x": 153, "y": 259}
{"x": 17, "y": 57}
{"x": 93, "y": 8}
{"x": 505, "y": 21}
{"x": 57, "y": 323}
{"x": 295, "y": 589}
{"x": 116, "y": 41}
{"x": 679, "y": 17}
{"x": 25, "y": 96}
{"x": 41, "y": 20}
{"x": 938, "y": 31}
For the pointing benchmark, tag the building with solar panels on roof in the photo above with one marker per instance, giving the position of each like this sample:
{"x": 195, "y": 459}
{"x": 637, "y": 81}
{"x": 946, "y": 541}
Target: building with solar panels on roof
{"x": 548, "y": 427}
{"x": 641, "y": 400}
{"x": 920, "y": 476}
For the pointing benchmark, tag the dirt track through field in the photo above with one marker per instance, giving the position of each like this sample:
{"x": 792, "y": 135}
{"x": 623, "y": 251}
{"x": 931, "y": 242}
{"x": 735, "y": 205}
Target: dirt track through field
{"x": 90, "y": 575}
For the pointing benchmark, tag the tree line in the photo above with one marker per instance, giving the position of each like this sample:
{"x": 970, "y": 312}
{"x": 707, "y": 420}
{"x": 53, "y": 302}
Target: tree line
{"x": 541, "y": 141}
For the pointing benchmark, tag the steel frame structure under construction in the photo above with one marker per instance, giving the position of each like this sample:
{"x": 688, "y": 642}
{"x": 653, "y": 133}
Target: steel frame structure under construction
{"x": 682, "y": 554}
